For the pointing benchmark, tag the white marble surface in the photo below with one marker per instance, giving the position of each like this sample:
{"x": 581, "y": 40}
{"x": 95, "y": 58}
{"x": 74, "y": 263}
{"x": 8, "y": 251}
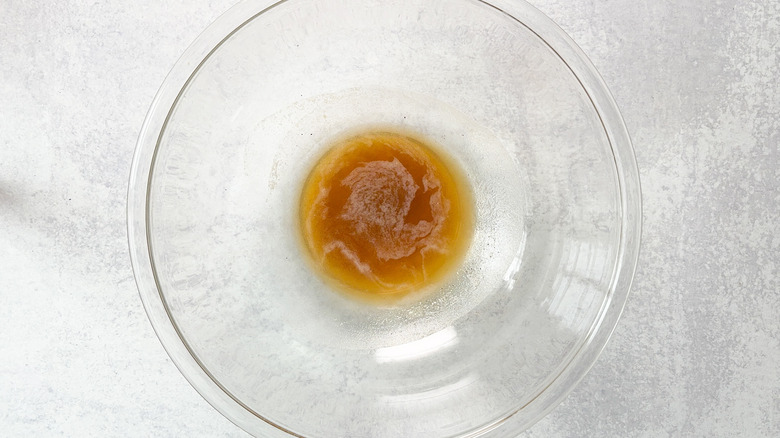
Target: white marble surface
{"x": 697, "y": 352}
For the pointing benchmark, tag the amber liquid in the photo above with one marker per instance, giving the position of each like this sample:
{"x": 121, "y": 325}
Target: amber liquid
{"x": 382, "y": 215}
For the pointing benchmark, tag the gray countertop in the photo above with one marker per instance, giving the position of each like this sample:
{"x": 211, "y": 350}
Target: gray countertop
{"x": 697, "y": 352}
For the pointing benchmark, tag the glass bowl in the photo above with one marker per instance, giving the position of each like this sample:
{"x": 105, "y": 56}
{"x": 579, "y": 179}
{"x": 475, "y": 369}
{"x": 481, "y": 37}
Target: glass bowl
{"x": 212, "y": 211}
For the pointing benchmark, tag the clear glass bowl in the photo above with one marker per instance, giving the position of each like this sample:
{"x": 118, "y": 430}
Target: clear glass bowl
{"x": 217, "y": 175}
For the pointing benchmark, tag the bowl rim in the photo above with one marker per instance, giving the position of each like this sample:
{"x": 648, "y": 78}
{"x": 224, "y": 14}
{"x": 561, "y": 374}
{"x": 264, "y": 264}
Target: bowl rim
{"x": 557, "y": 387}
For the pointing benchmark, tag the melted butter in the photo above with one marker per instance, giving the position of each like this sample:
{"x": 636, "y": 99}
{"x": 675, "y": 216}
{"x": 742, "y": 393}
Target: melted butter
{"x": 382, "y": 215}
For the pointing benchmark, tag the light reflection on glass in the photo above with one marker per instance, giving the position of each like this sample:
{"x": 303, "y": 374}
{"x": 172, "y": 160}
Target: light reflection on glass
{"x": 419, "y": 348}
{"x": 581, "y": 283}
{"x": 434, "y": 393}
{"x": 510, "y": 276}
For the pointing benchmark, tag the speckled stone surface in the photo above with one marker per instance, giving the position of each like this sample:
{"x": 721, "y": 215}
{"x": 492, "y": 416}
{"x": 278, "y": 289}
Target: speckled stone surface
{"x": 697, "y": 352}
